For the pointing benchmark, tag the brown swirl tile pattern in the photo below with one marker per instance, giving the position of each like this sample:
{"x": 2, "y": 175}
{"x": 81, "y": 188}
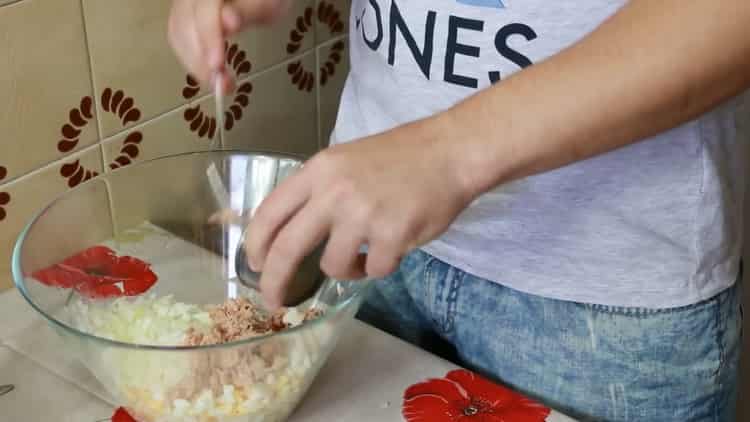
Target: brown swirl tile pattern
{"x": 328, "y": 15}
{"x": 129, "y": 150}
{"x": 76, "y": 173}
{"x": 204, "y": 125}
{"x": 303, "y": 78}
{"x": 118, "y": 104}
{"x": 302, "y": 27}
{"x": 328, "y": 69}
{"x": 125, "y": 108}
{"x": 78, "y": 118}
{"x": 4, "y": 196}
{"x": 115, "y": 102}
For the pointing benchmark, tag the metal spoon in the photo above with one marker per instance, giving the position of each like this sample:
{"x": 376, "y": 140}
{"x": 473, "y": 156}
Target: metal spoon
{"x": 5, "y": 389}
{"x": 219, "y": 98}
{"x": 305, "y": 283}
{"x": 309, "y": 278}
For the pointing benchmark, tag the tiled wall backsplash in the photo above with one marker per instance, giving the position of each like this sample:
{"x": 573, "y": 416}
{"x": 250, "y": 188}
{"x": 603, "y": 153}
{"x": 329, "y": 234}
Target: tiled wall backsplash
{"x": 88, "y": 86}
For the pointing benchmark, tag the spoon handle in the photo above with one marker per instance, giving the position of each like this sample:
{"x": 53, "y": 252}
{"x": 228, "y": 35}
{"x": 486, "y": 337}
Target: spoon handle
{"x": 219, "y": 99}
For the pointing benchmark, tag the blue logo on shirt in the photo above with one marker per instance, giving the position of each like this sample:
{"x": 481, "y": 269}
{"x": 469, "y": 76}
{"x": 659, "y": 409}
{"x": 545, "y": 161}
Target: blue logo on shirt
{"x": 497, "y": 4}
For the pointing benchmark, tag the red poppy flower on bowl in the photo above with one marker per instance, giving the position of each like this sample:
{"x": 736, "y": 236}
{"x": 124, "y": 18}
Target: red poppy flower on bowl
{"x": 122, "y": 415}
{"x": 466, "y": 397}
{"x": 98, "y": 272}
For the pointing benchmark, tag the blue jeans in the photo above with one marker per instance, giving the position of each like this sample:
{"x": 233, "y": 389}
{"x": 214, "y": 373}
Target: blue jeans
{"x": 592, "y": 362}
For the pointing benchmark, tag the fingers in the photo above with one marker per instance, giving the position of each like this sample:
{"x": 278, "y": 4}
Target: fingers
{"x": 195, "y": 33}
{"x": 276, "y": 210}
{"x": 207, "y": 18}
{"x": 382, "y": 259}
{"x": 341, "y": 258}
{"x": 296, "y": 240}
{"x": 197, "y": 29}
{"x": 231, "y": 19}
{"x": 241, "y": 13}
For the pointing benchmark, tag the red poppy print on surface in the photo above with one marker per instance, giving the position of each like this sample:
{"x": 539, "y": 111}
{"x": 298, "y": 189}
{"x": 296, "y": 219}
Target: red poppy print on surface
{"x": 467, "y": 397}
{"x": 122, "y": 415}
{"x": 98, "y": 272}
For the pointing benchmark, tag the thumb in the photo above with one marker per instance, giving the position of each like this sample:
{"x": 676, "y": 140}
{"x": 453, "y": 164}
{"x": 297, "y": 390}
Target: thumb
{"x": 238, "y": 14}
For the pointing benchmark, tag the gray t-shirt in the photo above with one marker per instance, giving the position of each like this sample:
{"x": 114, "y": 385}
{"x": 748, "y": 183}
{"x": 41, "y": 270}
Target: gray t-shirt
{"x": 656, "y": 224}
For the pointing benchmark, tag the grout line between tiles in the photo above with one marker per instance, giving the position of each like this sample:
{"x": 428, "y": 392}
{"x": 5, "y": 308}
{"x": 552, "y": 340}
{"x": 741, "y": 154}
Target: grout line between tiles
{"x": 44, "y": 165}
{"x": 11, "y": 3}
{"x": 48, "y": 166}
{"x": 318, "y": 91}
{"x": 99, "y": 130}
{"x": 94, "y": 94}
{"x": 333, "y": 40}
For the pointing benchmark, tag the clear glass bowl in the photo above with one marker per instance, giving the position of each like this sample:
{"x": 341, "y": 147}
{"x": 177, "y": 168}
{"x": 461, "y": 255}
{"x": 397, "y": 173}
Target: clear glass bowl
{"x": 88, "y": 261}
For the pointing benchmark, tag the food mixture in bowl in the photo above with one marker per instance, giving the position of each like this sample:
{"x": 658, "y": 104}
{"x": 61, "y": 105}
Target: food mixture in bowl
{"x": 181, "y": 350}
{"x": 257, "y": 381}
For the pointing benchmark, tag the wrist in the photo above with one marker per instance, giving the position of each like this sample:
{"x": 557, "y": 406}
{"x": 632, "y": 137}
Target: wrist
{"x": 468, "y": 152}
{"x": 446, "y": 138}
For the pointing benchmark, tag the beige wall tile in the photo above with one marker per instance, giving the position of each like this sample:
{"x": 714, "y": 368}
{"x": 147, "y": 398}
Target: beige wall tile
{"x": 280, "y": 115}
{"x": 191, "y": 127}
{"x": 25, "y": 197}
{"x": 332, "y": 19}
{"x": 333, "y": 68}
{"x": 169, "y": 193}
{"x": 130, "y": 53}
{"x": 46, "y": 109}
{"x": 187, "y": 129}
{"x": 292, "y": 35}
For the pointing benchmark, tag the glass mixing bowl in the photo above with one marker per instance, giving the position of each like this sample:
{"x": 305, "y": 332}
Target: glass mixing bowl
{"x": 135, "y": 270}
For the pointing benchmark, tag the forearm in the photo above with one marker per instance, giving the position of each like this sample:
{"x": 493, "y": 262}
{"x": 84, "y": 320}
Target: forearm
{"x": 651, "y": 67}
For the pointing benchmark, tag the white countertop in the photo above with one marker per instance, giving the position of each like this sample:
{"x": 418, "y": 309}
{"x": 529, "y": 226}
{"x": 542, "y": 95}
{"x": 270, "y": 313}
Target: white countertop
{"x": 363, "y": 380}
